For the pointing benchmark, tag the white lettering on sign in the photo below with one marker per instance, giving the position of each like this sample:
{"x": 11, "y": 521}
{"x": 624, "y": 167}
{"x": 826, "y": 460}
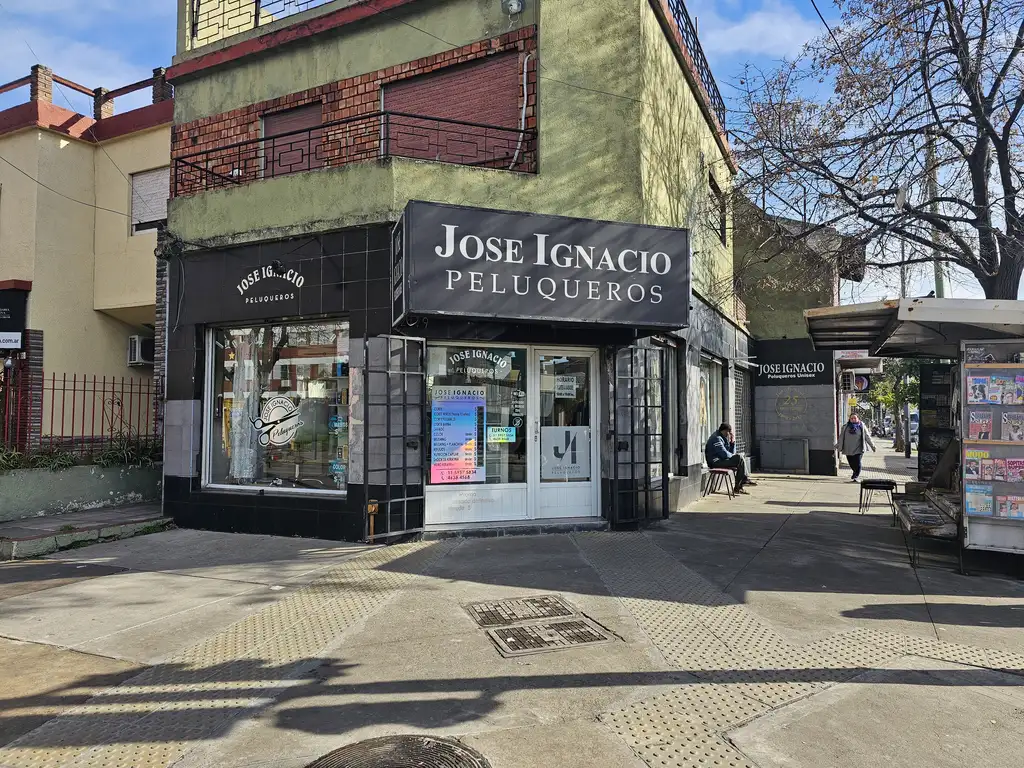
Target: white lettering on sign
{"x": 266, "y": 272}
{"x": 792, "y": 370}
{"x": 556, "y": 256}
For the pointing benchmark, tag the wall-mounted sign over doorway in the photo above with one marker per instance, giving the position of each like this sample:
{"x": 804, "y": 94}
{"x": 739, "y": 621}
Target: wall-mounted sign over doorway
{"x": 486, "y": 264}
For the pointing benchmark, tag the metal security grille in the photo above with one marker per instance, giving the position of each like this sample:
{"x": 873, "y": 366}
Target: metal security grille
{"x": 394, "y": 387}
{"x": 744, "y": 412}
{"x": 639, "y": 471}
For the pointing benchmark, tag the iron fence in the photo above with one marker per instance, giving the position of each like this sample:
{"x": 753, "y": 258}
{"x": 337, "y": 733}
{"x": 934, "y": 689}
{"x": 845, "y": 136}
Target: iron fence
{"x": 77, "y": 414}
{"x": 377, "y": 135}
{"x": 688, "y": 31}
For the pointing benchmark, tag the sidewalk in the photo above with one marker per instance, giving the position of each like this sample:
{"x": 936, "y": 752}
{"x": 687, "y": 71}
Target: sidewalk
{"x": 777, "y": 629}
{"x": 35, "y": 536}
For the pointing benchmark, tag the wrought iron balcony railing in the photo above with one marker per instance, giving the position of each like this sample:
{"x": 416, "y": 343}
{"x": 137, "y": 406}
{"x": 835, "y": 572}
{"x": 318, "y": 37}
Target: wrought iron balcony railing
{"x": 373, "y": 136}
{"x": 213, "y": 20}
{"x": 688, "y": 30}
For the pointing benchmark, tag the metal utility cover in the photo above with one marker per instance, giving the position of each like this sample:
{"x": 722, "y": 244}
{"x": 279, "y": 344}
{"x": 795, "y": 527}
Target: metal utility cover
{"x": 401, "y": 752}
{"x": 504, "y": 613}
{"x": 548, "y": 636}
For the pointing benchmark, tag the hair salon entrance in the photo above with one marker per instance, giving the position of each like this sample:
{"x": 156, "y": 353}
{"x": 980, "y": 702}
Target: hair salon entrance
{"x": 512, "y": 434}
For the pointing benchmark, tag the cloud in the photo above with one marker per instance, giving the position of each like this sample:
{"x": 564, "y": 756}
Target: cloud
{"x": 775, "y": 29}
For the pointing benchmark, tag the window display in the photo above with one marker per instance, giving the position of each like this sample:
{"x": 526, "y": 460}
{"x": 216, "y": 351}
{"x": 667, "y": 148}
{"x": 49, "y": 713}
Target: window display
{"x": 477, "y": 411}
{"x": 280, "y": 406}
{"x": 993, "y": 427}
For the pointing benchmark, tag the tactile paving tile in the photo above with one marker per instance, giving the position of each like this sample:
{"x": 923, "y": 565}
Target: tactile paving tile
{"x": 695, "y": 747}
{"x": 154, "y": 718}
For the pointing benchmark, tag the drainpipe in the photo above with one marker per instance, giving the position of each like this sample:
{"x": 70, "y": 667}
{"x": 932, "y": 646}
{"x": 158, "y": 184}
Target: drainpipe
{"x": 522, "y": 116}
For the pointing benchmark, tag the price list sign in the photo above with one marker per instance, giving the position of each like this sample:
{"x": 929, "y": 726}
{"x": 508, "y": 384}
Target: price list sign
{"x": 457, "y": 419}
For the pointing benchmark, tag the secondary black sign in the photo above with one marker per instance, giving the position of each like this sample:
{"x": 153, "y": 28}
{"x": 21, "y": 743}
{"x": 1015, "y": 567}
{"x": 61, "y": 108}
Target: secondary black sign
{"x": 786, "y": 362}
{"x": 13, "y": 312}
{"x": 485, "y": 264}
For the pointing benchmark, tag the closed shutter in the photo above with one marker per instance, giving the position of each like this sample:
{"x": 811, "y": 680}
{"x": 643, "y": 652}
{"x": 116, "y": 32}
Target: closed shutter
{"x": 293, "y": 140}
{"x": 744, "y": 412}
{"x": 150, "y": 190}
{"x": 484, "y": 93}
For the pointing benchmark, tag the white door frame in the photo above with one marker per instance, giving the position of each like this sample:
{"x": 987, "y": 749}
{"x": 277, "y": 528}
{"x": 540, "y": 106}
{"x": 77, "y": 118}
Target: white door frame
{"x": 533, "y": 447}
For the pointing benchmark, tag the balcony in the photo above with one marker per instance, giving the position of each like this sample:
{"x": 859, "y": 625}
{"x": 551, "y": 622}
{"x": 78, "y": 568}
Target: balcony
{"x": 691, "y": 43}
{"x": 376, "y": 136}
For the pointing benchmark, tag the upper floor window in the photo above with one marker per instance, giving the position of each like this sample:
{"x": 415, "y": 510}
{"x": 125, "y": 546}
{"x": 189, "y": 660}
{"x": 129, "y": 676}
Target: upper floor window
{"x": 293, "y": 140}
{"x": 149, "y": 199}
{"x": 717, "y": 219}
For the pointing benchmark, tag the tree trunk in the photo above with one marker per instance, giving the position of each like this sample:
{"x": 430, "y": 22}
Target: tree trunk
{"x": 1005, "y": 284}
{"x": 900, "y": 443}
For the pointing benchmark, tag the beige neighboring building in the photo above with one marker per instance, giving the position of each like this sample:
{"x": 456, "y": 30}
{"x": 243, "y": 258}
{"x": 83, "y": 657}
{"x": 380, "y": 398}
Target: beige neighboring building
{"x": 81, "y": 201}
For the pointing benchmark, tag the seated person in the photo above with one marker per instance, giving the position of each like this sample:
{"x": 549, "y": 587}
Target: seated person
{"x": 720, "y": 453}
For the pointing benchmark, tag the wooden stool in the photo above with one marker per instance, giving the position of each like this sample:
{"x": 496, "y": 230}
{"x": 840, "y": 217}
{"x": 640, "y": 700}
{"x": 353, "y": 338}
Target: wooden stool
{"x": 867, "y": 490}
{"x": 719, "y": 477}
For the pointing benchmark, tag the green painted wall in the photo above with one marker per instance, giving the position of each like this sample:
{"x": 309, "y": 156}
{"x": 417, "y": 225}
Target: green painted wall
{"x": 620, "y": 134}
{"x": 429, "y": 27}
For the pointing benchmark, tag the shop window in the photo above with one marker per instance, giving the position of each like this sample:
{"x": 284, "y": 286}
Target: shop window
{"x": 477, "y": 412}
{"x": 279, "y": 407}
{"x": 149, "y": 199}
{"x": 712, "y": 406}
{"x": 293, "y": 140}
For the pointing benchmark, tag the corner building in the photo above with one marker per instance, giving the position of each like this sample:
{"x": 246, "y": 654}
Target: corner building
{"x": 436, "y": 265}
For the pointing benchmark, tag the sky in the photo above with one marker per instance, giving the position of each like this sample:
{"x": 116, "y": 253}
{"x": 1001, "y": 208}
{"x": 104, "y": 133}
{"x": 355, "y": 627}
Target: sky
{"x": 110, "y": 43}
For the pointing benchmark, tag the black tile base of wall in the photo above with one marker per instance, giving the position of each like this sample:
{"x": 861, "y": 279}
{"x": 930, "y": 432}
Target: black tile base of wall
{"x": 315, "y": 517}
{"x": 822, "y": 463}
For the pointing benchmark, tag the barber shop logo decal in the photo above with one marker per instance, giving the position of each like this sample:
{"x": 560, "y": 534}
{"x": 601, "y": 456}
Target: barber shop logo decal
{"x": 278, "y": 422}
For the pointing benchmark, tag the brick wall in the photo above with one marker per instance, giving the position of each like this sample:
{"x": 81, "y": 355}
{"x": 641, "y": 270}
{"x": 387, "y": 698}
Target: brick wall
{"x": 352, "y": 98}
{"x": 30, "y": 395}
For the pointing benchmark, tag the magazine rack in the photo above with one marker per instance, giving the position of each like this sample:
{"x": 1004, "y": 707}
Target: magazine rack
{"x": 992, "y": 427}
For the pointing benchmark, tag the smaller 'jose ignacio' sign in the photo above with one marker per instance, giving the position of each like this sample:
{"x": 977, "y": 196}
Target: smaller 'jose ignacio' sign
{"x": 788, "y": 362}
{"x": 481, "y": 263}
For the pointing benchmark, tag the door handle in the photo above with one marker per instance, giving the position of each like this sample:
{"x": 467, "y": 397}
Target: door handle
{"x": 536, "y": 431}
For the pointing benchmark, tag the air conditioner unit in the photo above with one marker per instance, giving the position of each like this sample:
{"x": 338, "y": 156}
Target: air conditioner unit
{"x": 140, "y": 351}
{"x": 846, "y": 381}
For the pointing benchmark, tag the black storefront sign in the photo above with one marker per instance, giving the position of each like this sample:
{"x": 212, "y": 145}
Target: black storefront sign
{"x": 487, "y": 264}
{"x": 788, "y": 362}
{"x": 13, "y": 313}
{"x": 398, "y": 273}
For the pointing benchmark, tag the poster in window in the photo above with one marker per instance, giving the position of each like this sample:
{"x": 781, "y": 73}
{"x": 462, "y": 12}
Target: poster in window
{"x": 457, "y": 418}
{"x": 565, "y": 453}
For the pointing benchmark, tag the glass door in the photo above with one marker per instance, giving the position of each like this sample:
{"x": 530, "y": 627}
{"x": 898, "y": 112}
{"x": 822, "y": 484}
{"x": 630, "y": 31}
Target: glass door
{"x": 567, "y": 463}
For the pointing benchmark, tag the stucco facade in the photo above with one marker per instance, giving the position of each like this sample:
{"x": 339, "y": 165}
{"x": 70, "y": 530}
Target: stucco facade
{"x": 66, "y": 230}
{"x": 615, "y": 125}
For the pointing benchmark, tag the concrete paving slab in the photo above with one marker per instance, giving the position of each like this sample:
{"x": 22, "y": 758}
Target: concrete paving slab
{"x": 238, "y": 557}
{"x": 48, "y": 681}
{"x": 22, "y": 577}
{"x": 142, "y": 617}
{"x": 566, "y": 745}
{"x": 916, "y": 713}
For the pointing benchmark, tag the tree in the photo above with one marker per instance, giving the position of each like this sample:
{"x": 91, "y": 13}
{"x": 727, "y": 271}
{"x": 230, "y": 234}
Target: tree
{"x": 901, "y": 128}
{"x": 898, "y": 386}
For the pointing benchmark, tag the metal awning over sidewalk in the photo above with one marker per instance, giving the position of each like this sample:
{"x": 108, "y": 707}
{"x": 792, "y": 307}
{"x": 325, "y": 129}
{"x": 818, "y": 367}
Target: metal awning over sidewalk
{"x": 914, "y": 327}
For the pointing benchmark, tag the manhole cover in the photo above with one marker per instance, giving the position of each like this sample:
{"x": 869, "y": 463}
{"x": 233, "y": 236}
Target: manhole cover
{"x": 550, "y": 636}
{"x": 402, "y": 752}
{"x": 503, "y": 613}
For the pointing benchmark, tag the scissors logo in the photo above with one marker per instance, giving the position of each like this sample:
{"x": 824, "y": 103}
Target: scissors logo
{"x": 278, "y": 422}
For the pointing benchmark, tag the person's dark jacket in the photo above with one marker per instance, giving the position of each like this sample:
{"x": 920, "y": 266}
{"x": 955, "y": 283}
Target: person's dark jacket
{"x": 718, "y": 449}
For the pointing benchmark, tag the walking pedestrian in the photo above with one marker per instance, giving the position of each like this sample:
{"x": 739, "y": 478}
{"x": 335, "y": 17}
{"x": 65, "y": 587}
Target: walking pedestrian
{"x": 852, "y": 441}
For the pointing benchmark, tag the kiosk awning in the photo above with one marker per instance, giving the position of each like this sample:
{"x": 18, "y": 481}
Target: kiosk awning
{"x": 914, "y": 327}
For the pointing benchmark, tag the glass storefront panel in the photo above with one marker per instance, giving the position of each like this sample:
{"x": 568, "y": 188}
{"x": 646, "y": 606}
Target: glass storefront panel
{"x": 712, "y": 412}
{"x": 477, "y": 408}
{"x": 564, "y": 419}
{"x": 280, "y": 406}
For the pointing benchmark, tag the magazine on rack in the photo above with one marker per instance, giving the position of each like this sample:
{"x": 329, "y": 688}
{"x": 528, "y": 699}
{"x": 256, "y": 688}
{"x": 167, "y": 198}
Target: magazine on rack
{"x": 978, "y": 500}
{"x": 972, "y": 464}
{"x": 995, "y": 390}
{"x": 980, "y": 427}
{"x": 977, "y": 389}
{"x": 993, "y": 469}
{"x": 1015, "y": 470}
{"x": 1007, "y": 386}
{"x": 1009, "y": 506}
{"x": 1013, "y": 427}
